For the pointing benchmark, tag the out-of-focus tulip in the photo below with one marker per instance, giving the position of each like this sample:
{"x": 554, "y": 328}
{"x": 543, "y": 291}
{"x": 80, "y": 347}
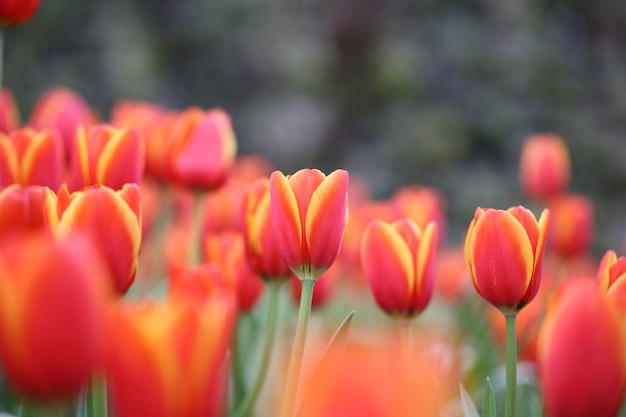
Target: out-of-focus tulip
{"x": 16, "y": 12}
{"x": 323, "y": 290}
{"x": 136, "y": 114}
{"x": 248, "y": 168}
{"x": 9, "y": 113}
{"x": 221, "y": 209}
{"x": 196, "y": 284}
{"x": 227, "y": 250}
{"x": 112, "y": 219}
{"x": 544, "y": 168}
{"x": 31, "y": 158}
{"x": 611, "y": 277}
{"x": 157, "y": 141}
{"x": 451, "y": 282}
{"x": 52, "y": 300}
{"x": 504, "y": 255}
{"x": 261, "y": 248}
{"x": 309, "y": 214}
{"x": 167, "y": 359}
{"x": 420, "y": 204}
{"x": 399, "y": 264}
{"x": 581, "y": 354}
{"x": 107, "y": 156}
{"x": 65, "y": 110}
{"x": 201, "y": 149}
{"x": 572, "y": 225}
{"x": 27, "y": 209}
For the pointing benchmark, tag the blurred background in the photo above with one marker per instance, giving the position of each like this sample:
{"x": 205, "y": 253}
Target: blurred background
{"x": 437, "y": 92}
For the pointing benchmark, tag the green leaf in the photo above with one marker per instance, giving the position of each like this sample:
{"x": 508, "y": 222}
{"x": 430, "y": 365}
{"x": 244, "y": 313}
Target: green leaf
{"x": 469, "y": 409}
{"x": 529, "y": 402}
{"x": 489, "y": 404}
{"x": 340, "y": 337}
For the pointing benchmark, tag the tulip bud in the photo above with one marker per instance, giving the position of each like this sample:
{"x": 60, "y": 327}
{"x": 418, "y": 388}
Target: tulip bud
{"x": 544, "y": 166}
{"x": 16, "y": 12}
{"x": 572, "y": 225}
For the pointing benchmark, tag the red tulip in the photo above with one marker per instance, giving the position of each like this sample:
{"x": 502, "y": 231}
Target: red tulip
{"x": 544, "y": 166}
{"x": 309, "y": 214}
{"x": 108, "y": 156}
{"x": 399, "y": 264}
{"x": 24, "y": 210}
{"x": 261, "y": 249}
{"x": 611, "y": 278}
{"x": 581, "y": 354}
{"x": 52, "y": 300}
{"x": 572, "y": 225}
{"x": 112, "y": 220}
{"x": 201, "y": 149}
{"x": 504, "y": 255}
{"x": 9, "y": 113}
{"x": 31, "y": 158}
{"x": 166, "y": 360}
{"x": 16, "y": 12}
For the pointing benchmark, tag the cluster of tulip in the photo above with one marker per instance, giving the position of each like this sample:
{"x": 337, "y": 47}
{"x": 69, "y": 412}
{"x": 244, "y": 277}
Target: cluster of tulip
{"x": 148, "y": 270}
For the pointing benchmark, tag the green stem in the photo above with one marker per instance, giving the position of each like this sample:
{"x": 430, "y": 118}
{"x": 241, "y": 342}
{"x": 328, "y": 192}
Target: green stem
{"x": 49, "y": 410}
{"x": 194, "y": 254}
{"x": 237, "y": 371}
{"x": 293, "y": 374}
{"x": 97, "y": 398}
{"x": 511, "y": 365}
{"x": 272, "y": 318}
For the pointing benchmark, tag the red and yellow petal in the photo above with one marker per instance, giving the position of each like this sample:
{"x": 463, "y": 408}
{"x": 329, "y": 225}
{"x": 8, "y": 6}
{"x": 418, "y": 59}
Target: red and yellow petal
{"x": 604, "y": 270}
{"x": 42, "y": 162}
{"x": 122, "y": 159}
{"x": 286, "y": 220}
{"x": 9, "y": 171}
{"x": 425, "y": 267}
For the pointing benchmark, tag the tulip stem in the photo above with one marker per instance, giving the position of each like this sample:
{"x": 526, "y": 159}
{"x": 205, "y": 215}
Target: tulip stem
{"x": 272, "y": 315}
{"x": 97, "y": 397}
{"x": 293, "y": 374}
{"x": 511, "y": 365}
{"x": 194, "y": 254}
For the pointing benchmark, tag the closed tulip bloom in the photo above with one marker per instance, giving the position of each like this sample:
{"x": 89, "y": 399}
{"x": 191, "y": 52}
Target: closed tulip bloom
{"x": 52, "y": 300}
{"x": 9, "y": 113}
{"x": 201, "y": 149}
{"x": 112, "y": 219}
{"x": 261, "y": 249}
{"x": 16, "y": 12}
{"x": 611, "y": 277}
{"x": 544, "y": 166}
{"x": 504, "y": 255}
{"x": 309, "y": 214}
{"x": 167, "y": 359}
{"x": 581, "y": 354}
{"x": 108, "y": 156}
{"x": 24, "y": 210}
{"x": 65, "y": 110}
{"x": 28, "y": 157}
{"x": 399, "y": 263}
{"x": 572, "y": 225}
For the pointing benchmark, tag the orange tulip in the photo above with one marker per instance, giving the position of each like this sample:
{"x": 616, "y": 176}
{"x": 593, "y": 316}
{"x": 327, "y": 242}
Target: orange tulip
{"x": 399, "y": 264}
{"x": 166, "y": 360}
{"x": 52, "y": 300}
{"x": 420, "y": 204}
{"x": 572, "y": 225}
{"x": 451, "y": 282}
{"x": 27, "y": 209}
{"x": 309, "y": 214}
{"x": 581, "y": 354}
{"x": 65, "y": 110}
{"x": 201, "y": 149}
{"x": 544, "y": 166}
{"x": 197, "y": 284}
{"x": 611, "y": 277}
{"x": 108, "y": 156}
{"x": 16, "y": 12}
{"x": 112, "y": 220}
{"x": 227, "y": 250}
{"x": 9, "y": 113}
{"x": 31, "y": 158}
{"x": 261, "y": 249}
{"x": 504, "y": 255}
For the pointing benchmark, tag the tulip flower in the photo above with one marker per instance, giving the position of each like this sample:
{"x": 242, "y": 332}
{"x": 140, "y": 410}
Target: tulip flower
{"x": 581, "y": 354}
{"x": 262, "y": 251}
{"x": 167, "y": 359}
{"x": 16, "y": 12}
{"x": 108, "y": 156}
{"x": 572, "y": 225}
{"x": 420, "y": 204}
{"x": 112, "y": 220}
{"x": 24, "y": 210}
{"x": 544, "y": 167}
{"x": 201, "y": 149}
{"x": 611, "y": 278}
{"x": 198, "y": 284}
{"x": 309, "y": 214}
{"x": 31, "y": 158}
{"x": 9, "y": 113}
{"x": 504, "y": 255}
{"x": 399, "y": 264}
{"x": 65, "y": 110}
{"x": 324, "y": 289}
{"x": 52, "y": 300}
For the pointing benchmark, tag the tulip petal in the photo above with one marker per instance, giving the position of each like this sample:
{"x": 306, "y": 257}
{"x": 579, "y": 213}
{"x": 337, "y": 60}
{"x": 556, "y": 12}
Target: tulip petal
{"x": 604, "y": 270}
{"x": 42, "y": 162}
{"x": 286, "y": 220}
{"x": 326, "y": 220}
{"x": 122, "y": 159}
{"x": 502, "y": 258}
{"x": 8, "y": 162}
{"x": 388, "y": 266}
{"x": 425, "y": 267}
